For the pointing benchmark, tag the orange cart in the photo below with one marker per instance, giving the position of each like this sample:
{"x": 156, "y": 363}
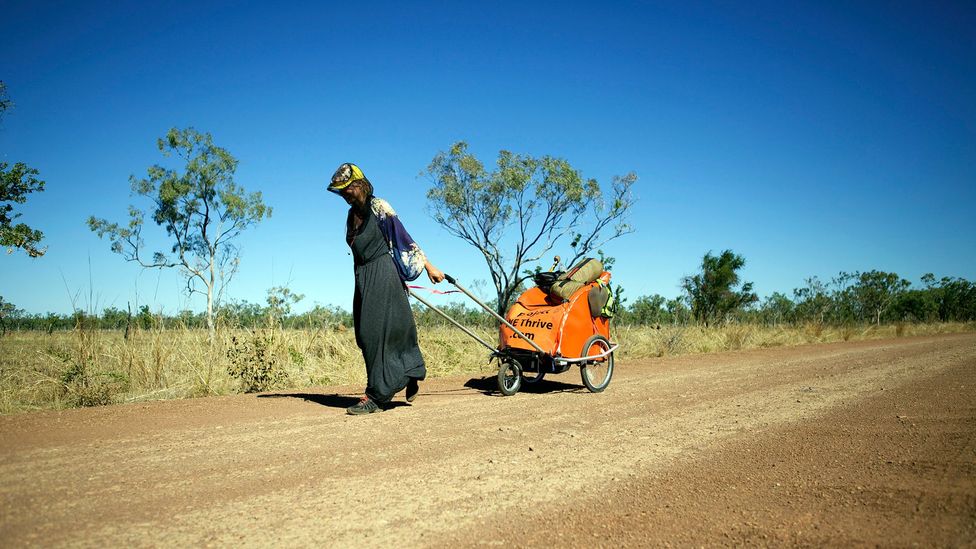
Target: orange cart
{"x": 546, "y": 334}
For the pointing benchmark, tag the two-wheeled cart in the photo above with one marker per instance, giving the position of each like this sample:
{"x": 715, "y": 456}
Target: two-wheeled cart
{"x": 543, "y": 333}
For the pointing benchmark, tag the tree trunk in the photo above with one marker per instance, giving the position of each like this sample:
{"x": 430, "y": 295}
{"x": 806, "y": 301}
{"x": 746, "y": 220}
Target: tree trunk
{"x": 500, "y": 305}
{"x": 505, "y": 299}
{"x": 211, "y": 330}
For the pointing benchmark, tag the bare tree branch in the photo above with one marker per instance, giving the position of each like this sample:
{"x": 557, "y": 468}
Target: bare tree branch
{"x": 540, "y": 200}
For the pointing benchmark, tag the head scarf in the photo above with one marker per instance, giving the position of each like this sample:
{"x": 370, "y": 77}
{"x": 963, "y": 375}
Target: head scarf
{"x": 346, "y": 175}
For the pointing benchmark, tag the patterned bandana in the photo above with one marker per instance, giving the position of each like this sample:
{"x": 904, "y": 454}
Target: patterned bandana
{"x": 345, "y": 176}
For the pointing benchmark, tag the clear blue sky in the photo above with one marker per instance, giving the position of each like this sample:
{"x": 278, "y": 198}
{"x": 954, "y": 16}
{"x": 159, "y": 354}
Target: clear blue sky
{"x": 810, "y": 137}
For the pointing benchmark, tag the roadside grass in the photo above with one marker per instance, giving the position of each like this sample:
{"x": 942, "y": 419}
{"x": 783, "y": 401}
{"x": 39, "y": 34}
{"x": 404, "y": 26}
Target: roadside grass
{"x": 89, "y": 367}
{"x": 647, "y": 341}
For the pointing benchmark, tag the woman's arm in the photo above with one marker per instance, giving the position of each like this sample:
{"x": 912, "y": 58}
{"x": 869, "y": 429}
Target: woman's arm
{"x": 409, "y": 256}
{"x": 433, "y": 272}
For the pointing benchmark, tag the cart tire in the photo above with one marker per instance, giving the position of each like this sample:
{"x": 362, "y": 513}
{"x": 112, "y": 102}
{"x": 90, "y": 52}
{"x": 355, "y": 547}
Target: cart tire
{"x": 509, "y": 377}
{"x": 596, "y": 374}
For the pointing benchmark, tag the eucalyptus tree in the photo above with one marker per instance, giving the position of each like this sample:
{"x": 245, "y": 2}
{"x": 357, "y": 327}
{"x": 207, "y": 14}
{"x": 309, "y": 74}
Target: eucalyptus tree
{"x": 648, "y": 310}
{"x": 955, "y": 298}
{"x": 875, "y": 291}
{"x": 7, "y": 310}
{"x": 516, "y": 214}
{"x": 201, "y": 208}
{"x": 814, "y": 301}
{"x": 17, "y": 181}
{"x": 777, "y": 309}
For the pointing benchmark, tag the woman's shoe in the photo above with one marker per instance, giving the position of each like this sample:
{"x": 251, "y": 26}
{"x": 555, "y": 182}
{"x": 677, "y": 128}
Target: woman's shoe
{"x": 412, "y": 389}
{"x": 364, "y": 406}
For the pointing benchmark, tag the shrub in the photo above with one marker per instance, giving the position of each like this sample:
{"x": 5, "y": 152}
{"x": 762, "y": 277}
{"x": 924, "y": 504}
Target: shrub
{"x": 254, "y": 362}
{"x": 81, "y": 386}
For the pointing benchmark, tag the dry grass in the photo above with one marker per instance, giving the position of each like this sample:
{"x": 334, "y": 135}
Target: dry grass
{"x": 91, "y": 367}
{"x": 643, "y": 341}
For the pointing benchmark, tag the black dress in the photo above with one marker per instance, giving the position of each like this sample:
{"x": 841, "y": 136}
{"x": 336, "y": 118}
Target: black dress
{"x": 385, "y": 329}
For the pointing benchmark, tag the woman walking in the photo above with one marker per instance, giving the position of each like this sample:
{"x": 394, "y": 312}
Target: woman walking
{"x": 384, "y": 256}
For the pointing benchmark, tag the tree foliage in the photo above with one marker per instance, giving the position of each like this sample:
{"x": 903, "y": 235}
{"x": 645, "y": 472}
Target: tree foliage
{"x": 17, "y": 181}
{"x": 954, "y": 298}
{"x": 849, "y": 298}
{"x": 5, "y": 102}
{"x": 935, "y": 300}
{"x": 202, "y": 210}
{"x": 515, "y": 214}
{"x": 7, "y": 310}
{"x": 777, "y": 309}
{"x": 649, "y": 310}
{"x": 280, "y": 301}
{"x": 874, "y": 292}
{"x": 714, "y": 293}
{"x": 813, "y": 301}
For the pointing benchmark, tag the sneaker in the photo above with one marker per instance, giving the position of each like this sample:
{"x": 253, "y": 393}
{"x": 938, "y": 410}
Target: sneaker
{"x": 364, "y": 406}
{"x": 412, "y": 389}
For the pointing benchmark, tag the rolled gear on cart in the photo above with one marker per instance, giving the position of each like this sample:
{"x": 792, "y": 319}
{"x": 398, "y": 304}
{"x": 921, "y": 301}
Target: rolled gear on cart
{"x": 579, "y": 275}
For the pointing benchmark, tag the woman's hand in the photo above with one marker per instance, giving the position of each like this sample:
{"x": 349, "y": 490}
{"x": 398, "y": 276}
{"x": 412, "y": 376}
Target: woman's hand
{"x": 433, "y": 273}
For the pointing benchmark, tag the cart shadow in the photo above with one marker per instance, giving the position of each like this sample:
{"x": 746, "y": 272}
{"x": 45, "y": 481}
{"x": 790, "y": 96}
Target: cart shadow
{"x": 333, "y": 400}
{"x": 489, "y": 386}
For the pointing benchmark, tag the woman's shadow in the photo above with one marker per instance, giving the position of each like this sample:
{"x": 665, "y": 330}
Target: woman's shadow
{"x": 333, "y": 400}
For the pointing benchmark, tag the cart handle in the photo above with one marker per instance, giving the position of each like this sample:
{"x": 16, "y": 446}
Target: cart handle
{"x": 492, "y": 312}
{"x": 452, "y": 321}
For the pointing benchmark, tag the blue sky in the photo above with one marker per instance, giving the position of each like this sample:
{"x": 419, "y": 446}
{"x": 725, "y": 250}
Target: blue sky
{"x": 810, "y": 137}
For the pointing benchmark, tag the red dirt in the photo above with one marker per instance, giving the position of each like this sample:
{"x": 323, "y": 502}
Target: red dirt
{"x": 869, "y": 443}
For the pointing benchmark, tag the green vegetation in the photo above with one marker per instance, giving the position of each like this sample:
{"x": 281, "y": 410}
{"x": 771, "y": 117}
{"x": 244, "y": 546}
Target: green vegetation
{"x": 857, "y": 298}
{"x": 712, "y": 293}
{"x": 849, "y": 299}
{"x": 202, "y": 210}
{"x": 255, "y": 362}
{"x": 16, "y": 182}
{"x": 531, "y": 203}
{"x": 715, "y": 296}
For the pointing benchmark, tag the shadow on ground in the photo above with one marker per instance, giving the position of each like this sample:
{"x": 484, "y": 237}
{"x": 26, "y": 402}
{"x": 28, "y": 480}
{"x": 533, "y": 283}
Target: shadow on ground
{"x": 489, "y": 386}
{"x": 333, "y": 400}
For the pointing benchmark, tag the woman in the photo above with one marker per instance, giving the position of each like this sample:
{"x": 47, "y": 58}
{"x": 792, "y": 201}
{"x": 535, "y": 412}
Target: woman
{"x": 384, "y": 256}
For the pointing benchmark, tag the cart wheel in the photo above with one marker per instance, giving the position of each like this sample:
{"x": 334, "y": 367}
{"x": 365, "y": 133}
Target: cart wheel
{"x": 509, "y": 377}
{"x": 596, "y": 374}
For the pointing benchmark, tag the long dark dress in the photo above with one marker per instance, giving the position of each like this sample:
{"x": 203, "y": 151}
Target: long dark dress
{"x": 385, "y": 329}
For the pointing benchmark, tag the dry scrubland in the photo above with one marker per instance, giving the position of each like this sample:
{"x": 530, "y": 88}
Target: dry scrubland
{"x": 93, "y": 367}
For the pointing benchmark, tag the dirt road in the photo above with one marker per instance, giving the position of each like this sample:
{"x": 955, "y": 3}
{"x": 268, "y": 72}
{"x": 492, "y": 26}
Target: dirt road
{"x": 842, "y": 444}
